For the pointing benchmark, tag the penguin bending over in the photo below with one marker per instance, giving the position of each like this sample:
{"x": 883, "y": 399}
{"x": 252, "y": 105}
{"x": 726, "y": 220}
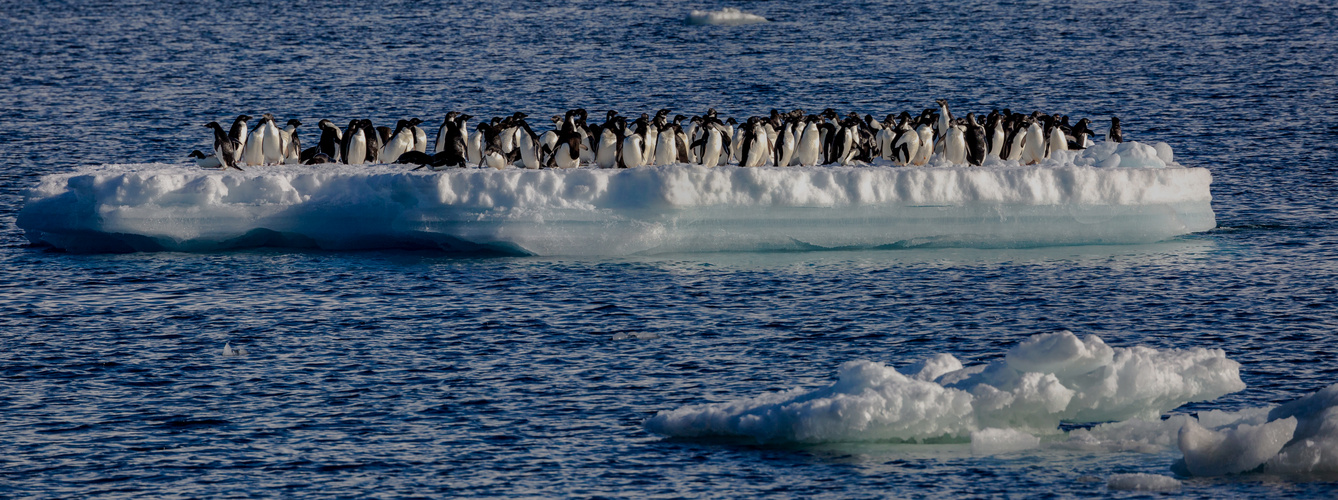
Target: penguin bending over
{"x": 224, "y": 146}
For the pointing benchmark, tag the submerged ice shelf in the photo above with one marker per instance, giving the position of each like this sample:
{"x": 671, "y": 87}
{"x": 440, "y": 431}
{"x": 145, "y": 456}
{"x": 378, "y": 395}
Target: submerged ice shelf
{"x": 647, "y": 210}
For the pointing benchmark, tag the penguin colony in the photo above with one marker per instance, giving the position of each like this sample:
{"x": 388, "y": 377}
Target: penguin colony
{"x": 784, "y": 139}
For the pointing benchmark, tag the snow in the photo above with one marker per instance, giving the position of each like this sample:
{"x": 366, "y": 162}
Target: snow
{"x": 727, "y": 16}
{"x": 871, "y": 401}
{"x": 598, "y": 212}
{"x": 1142, "y": 482}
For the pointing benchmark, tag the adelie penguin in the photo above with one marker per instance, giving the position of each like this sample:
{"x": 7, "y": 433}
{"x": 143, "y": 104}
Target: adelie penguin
{"x": 238, "y": 134}
{"x": 224, "y": 147}
{"x": 976, "y": 145}
{"x": 1114, "y": 134}
{"x": 205, "y": 161}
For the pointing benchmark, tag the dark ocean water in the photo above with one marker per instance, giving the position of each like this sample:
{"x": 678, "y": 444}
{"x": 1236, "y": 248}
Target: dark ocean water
{"x": 414, "y": 374}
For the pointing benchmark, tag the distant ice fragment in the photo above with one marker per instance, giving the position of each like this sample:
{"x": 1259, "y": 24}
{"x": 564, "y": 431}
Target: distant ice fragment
{"x": 993, "y": 441}
{"x": 1142, "y": 482}
{"x": 229, "y": 351}
{"x": 727, "y": 16}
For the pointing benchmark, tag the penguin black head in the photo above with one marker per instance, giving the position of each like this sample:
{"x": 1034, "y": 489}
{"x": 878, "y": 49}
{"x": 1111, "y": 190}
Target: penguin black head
{"x": 414, "y": 122}
{"x": 243, "y": 118}
{"x": 196, "y": 154}
{"x": 212, "y": 125}
{"x": 464, "y": 118}
{"x": 679, "y": 118}
{"x": 294, "y": 122}
{"x": 732, "y": 121}
{"x": 663, "y": 112}
{"x": 941, "y": 102}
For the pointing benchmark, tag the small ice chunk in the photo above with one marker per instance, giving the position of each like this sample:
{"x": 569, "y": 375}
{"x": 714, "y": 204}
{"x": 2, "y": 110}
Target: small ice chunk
{"x": 1142, "y": 482}
{"x": 1232, "y": 451}
{"x": 994, "y": 441}
{"x": 1314, "y": 445}
{"x": 228, "y": 350}
{"x": 1112, "y": 161}
{"x": 727, "y": 16}
{"x": 1164, "y": 152}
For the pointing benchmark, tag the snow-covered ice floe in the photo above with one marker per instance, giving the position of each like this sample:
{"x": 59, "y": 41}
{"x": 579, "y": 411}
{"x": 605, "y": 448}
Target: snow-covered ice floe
{"x": 1017, "y": 402}
{"x": 727, "y": 16}
{"x": 598, "y": 212}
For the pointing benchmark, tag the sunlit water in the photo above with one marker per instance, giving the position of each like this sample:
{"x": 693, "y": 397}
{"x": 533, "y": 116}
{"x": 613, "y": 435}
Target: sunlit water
{"x": 398, "y": 374}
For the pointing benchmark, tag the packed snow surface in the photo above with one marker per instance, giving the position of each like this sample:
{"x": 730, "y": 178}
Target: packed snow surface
{"x": 727, "y": 16}
{"x": 590, "y": 211}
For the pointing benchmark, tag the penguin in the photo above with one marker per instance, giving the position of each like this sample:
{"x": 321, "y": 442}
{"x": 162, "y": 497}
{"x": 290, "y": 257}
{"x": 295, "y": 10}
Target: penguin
{"x": 446, "y": 123}
{"x": 203, "y": 161}
{"x": 926, "y": 133}
{"x": 713, "y": 142}
{"x": 784, "y": 149}
{"x": 666, "y": 147}
{"x": 528, "y": 145}
{"x": 318, "y": 159}
{"x": 1033, "y": 147}
{"x": 355, "y": 149}
{"x": 906, "y": 144}
{"x": 419, "y": 136}
{"x": 328, "y": 143}
{"x": 568, "y": 152}
{"x": 941, "y": 128}
{"x": 374, "y": 142}
{"x": 756, "y": 148}
{"x": 292, "y": 145}
{"x": 634, "y": 145}
{"x": 1114, "y": 134}
{"x": 653, "y": 128}
{"x": 954, "y": 145}
{"x": 273, "y": 146}
{"x": 994, "y": 135}
{"x": 548, "y": 141}
{"x": 401, "y": 142}
{"x": 734, "y": 132}
{"x": 254, "y": 153}
{"x": 976, "y": 144}
{"x": 1081, "y": 132}
{"x": 346, "y": 142}
{"x": 886, "y": 134}
{"x": 238, "y": 134}
{"x": 809, "y": 149}
{"x": 1056, "y": 141}
{"x": 610, "y": 141}
{"x": 1016, "y": 142}
{"x": 474, "y": 146}
{"x": 224, "y": 146}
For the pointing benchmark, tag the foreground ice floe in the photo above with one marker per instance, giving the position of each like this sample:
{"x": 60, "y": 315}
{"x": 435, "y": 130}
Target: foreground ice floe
{"x": 727, "y": 16}
{"x": 648, "y": 210}
{"x": 1017, "y": 403}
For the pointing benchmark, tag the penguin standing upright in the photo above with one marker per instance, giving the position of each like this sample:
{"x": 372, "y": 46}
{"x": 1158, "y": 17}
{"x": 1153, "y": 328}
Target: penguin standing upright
{"x": 238, "y": 134}
{"x": 954, "y": 145}
{"x": 809, "y": 149}
{"x": 273, "y": 146}
{"x": 354, "y": 149}
{"x": 292, "y": 146}
{"x": 419, "y": 136}
{"x": 634, "y": 145}
{"x": 401, "y": 141}
{"x": 254, "y": 153}
{"x": 1114, "y": 134}
{"x": 374, "y": 142}
{"x": 976, "y": 144}
{"x": 1033, "y": 147}
{"x": 941, "y": 128}
{"x": 994, "y": 135}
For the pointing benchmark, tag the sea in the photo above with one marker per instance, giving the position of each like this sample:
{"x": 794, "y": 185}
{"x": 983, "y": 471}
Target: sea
{"x": 417, "y": 374}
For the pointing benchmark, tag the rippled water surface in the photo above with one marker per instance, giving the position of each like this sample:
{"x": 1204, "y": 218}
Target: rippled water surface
{"x": 400, "y": 374}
